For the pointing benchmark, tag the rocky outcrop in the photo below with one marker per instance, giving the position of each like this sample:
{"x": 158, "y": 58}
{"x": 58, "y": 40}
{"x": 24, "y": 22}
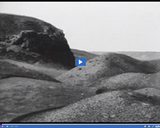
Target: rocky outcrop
{"x": 11, "y": 25}
{"x": 32, "y": 40}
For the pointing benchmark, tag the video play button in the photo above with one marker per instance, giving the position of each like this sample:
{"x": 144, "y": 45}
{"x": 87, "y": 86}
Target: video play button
{"x": 80, "y": 61}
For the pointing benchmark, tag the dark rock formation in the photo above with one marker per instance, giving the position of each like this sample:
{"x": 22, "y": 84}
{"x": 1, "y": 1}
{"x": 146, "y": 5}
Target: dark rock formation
{"x": 29, "y": 39}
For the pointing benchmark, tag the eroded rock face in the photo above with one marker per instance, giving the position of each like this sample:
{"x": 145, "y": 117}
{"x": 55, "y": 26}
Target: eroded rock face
{"x": 33, "y": 40}
{"x": 11, "y": 25}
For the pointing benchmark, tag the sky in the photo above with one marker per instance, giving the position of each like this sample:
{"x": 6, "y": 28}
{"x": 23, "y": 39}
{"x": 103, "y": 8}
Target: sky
{"x": 98, "y": 26}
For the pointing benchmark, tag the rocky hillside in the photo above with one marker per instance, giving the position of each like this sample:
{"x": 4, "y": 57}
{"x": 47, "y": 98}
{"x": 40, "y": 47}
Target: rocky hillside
{"x": 21, "y": 96}
{"x": 127, "y": 81}
{"x": 107, "y": 65}
{"x": 114, "y": 106}
{"x": 32, "y": 40}
{"x": 39, "y": 82}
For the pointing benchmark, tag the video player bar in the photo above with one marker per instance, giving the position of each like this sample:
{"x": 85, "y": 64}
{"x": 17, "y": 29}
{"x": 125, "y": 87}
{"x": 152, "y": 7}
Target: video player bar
{"x": 80, "y": 125}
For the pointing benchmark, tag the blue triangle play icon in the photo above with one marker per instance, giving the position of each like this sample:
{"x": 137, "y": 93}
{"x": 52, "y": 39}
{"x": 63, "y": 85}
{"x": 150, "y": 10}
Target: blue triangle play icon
{"x": 80, "y": 61}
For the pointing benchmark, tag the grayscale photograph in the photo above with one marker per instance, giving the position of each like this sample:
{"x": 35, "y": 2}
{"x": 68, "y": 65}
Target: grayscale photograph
{"x": 80, "y": 62}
